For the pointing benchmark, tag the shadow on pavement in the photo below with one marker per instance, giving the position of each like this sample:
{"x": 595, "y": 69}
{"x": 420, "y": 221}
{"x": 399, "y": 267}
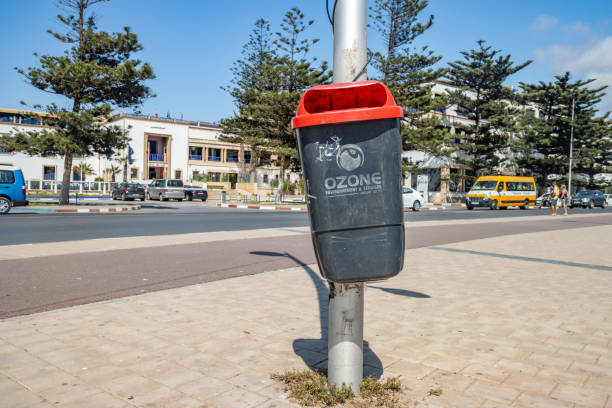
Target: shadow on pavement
{"x": 314, "y": 351}
{"x": 402, "y": 292}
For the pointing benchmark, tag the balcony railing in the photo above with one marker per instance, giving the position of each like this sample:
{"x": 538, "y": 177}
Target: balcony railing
{"x": 232, "y": 160}
{"x": 156, "y": 157}
{"x": 195, "y": 157}
{"x": 49, "y": 176}
{"x": 214, "y": 158}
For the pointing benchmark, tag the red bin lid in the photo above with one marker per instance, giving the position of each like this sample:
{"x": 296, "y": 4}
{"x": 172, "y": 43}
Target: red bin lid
{"x": 347, "y": 102}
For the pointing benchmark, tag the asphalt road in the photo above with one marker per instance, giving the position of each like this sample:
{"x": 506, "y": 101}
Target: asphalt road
{"x": 51, "y": 282}
{"x": 173, "y": 218}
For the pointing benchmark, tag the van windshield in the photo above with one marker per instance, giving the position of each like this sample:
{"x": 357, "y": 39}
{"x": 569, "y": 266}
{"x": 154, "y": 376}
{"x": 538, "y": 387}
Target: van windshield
{"x": 484, "y": 185}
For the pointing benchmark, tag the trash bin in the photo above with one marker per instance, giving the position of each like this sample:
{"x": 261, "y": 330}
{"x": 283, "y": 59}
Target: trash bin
{"x": 350, "y": 149}
{"x": 223, "y": 196}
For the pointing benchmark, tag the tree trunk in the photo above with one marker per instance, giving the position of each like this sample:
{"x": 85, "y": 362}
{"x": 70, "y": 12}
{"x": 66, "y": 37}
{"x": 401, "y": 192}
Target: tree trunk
{"x": 125, "y": 168}
{"x": 64, "y": 193}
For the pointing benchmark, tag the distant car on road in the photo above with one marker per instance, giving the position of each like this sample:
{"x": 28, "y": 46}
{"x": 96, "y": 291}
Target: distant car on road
{"x": 543, "y": 200}
{"x": 589, "y": 198}
{"x": 128, "y": 191}
{"x": 164, "y": 189}
{"x": 12, "y": 188}
{"x": 412, "y": 199}
{"x": 195, "y": 192}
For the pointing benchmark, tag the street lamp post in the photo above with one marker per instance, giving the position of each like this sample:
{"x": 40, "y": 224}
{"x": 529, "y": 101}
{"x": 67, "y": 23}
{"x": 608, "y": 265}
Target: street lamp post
{"x": 571, "y": 152}
{"x": 345, "y": 317}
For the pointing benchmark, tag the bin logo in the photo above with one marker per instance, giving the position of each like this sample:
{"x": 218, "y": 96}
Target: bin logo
{"x": 348, "y": 157}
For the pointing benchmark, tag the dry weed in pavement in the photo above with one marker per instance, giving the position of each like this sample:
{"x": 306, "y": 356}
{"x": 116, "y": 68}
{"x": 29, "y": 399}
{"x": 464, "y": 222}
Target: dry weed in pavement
{"x": 310, "y": 389}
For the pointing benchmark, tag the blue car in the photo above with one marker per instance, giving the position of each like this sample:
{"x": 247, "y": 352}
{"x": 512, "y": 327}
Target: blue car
{"x": 12, "y": 188}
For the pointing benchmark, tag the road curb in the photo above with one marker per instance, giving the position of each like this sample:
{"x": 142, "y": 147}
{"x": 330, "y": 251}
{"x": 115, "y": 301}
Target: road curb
{"x": 261, "y": 207}
{"x": 278, "y": 208}
{"x": 75, "y": 210}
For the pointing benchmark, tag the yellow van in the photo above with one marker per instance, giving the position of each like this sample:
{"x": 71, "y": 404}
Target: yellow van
{"x": 502, "y": 192}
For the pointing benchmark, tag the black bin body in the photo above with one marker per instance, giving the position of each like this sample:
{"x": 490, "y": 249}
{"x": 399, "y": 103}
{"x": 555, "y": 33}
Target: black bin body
{"x": 351, "y": 161}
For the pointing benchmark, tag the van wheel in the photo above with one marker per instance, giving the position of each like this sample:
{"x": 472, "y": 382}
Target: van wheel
{"x": 5, "y": 205}
{"x": 416, "y": 206}
{"x": 469, "y": 207}
{"x": 525, "y": 205}
{"x": 494, "y": 205}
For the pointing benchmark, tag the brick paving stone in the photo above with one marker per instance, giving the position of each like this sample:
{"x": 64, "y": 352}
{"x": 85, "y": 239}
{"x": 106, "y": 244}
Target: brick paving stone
{"x": 95, "y": 401}
{"x": 578, "y": 395}
{"x": 236, "y": 398}
{"x": 204, "y": 388}
{"x": 494, "y": 392}
{"x": 530, "y": 384}
{"x": 569, "y": 377}
{"x": 526, "y": 400}
{"x": 22, "y": 398}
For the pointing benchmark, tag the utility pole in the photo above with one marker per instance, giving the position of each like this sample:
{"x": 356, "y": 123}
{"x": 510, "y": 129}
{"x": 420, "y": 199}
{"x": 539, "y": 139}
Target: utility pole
{"x": 571, "y": 152}
{"x": 345, "y": 317}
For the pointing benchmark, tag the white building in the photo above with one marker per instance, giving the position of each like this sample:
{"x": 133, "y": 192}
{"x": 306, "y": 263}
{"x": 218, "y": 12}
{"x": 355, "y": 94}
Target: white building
{"x": 158, "y": 148}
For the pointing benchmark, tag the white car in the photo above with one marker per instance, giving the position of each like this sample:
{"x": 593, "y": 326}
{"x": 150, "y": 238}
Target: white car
{"x": 609, "y": 199}
{"x": 412, "y": 198}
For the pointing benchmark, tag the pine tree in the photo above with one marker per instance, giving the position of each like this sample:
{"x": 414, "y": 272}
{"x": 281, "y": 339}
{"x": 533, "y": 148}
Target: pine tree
{"x": 545, "y": 147}
{"x": 482, "y": 97}
{"x": 268, "y": 84}
{"x": 96, "y": 74}
{"x": 409, "y": 73}
{"x": 251, "y": 77}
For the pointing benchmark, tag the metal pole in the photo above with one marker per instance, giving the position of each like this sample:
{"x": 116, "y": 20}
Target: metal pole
{"x": 350, "y": 49}
{"x": 569, "y": 178}
{"x": 345, "y": 317}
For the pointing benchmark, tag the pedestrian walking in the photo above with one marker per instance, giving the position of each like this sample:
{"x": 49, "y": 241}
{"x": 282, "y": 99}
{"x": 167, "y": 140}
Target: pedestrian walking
{"x": 554, "y": 197}
{"x": 563, "y": 199}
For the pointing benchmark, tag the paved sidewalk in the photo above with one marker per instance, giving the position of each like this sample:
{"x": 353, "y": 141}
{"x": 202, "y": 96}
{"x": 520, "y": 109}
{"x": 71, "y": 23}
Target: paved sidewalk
{"x": 514, "y": 321}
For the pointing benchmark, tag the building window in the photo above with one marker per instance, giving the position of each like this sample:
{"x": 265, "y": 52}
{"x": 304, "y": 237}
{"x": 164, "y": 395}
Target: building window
{"x": 133, "y": 173}
{"x": 195, "y": 175}
{"x": 265, "y": 179}
{"x": 214, "y": 154}
{"x": 195, "y": 153}
{"x": 178, "y": 174}
{"x": 49, "y": 173}
{"x": 232, "y": 156}
{"x": 214, "y": 176}
{"x": 247, "y": 157}
{"x": 264, "y": 160}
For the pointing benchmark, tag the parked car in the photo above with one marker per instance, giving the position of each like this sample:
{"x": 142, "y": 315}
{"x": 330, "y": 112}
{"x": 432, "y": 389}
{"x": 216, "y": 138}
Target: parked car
{"x": 608, "y": 198}
{"x": 165, "y": 189}
{"x": 412, "y": 198}
{"x": 543, "y": 200}
{"x": 128, "y": 191}
{"x": 195, "y": 192}
{"x": 589, "y": 198}
{"x": 12, "y": 188}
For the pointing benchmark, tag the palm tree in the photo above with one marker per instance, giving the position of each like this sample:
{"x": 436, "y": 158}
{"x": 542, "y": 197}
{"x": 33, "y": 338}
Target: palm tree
{"x": 113, "y": 171}
{"x": 83, "y": 169}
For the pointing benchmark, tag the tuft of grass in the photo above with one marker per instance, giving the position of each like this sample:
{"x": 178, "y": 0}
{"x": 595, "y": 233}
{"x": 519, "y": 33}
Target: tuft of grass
{"x": 311, "y": 389}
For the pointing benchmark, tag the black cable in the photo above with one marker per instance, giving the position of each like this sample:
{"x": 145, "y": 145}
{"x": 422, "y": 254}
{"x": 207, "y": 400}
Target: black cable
{"x": 333, "y": 14}
{"x": 363, "y": 70}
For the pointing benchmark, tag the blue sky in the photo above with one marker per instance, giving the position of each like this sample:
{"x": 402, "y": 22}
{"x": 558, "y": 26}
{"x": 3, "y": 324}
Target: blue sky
{"x": 192, "y": 44}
